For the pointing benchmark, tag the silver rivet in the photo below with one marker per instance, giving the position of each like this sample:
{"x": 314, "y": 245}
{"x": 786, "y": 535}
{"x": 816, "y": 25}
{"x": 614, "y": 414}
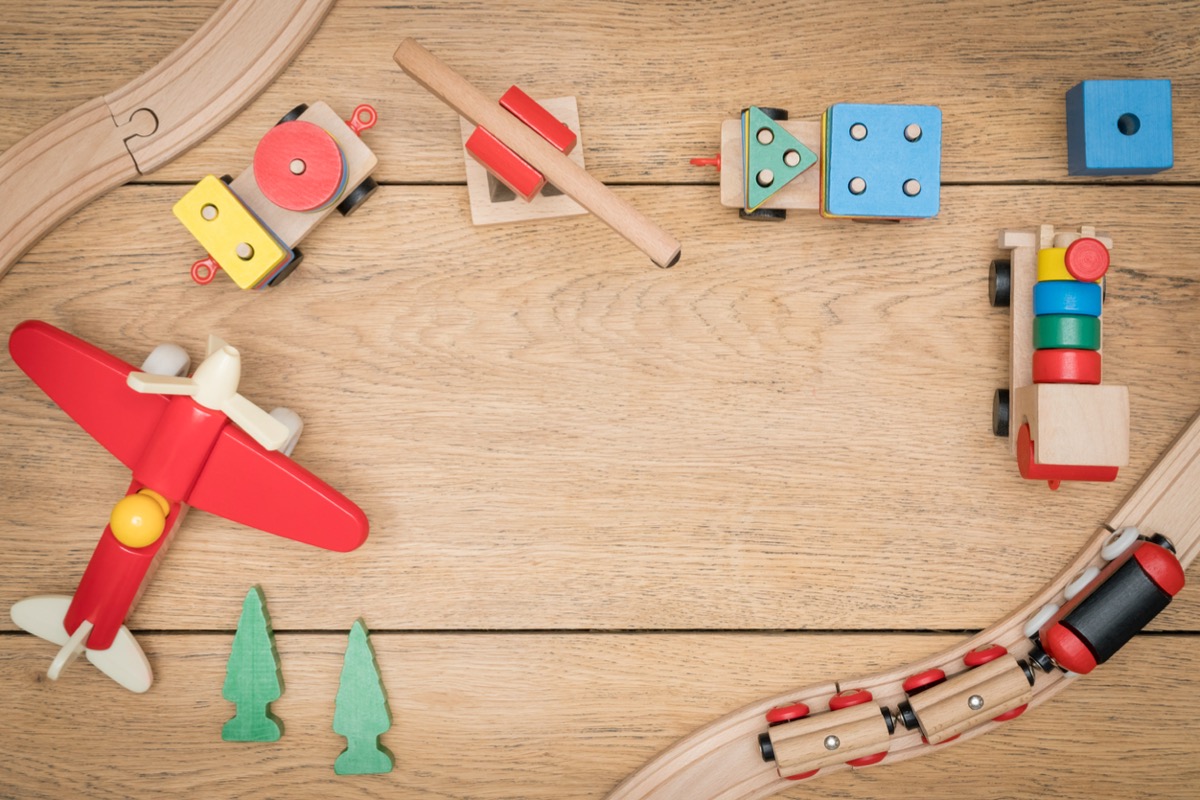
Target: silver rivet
{"x": 208, "y": 211}
{"x": 857, "y": 186}
{"x": 791, "y": 158}
{"x": 975, "y": 702}
{"x": 765, "y": 177}
{"x": 858, "y": 131}
{"x": 912, "y": 132}
{"x": 832, "y": 742}
{"x": 244, "y": 251}
{"x": 765, "y": 136}
{"x": 912, "y": 187}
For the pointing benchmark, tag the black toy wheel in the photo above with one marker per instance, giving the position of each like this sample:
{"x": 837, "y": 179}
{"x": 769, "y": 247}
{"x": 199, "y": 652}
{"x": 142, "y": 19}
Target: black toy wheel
{"x": 357, "y": 197}
{"x": 777, "y": 114}
{"x": 226, "y": 179}
{"x": 1000, "y": 412}
{"x": 294, "y": 114}
{"x": 1000, "y": 283}
{"x": 763, "y": 214}
{"x": 297, "y": 257}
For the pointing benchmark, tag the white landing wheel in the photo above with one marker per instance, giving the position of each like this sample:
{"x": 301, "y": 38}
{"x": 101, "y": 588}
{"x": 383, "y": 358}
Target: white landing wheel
{"x": 167, "y": 359}
{"x": 294, "y": 425}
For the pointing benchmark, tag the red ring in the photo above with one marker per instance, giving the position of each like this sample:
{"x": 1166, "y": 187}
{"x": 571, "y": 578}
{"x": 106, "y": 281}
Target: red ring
{"x": 298, "y": 141}
{"x": 982, "y": 655}
{"x": 1086, "y": 259}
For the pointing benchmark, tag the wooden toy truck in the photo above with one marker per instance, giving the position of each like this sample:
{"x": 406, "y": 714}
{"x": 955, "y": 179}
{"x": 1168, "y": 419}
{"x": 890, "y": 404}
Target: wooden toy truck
{"x": 1061, "y": 423}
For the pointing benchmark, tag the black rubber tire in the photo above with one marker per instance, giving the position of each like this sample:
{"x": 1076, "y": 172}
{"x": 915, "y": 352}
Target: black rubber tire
{"x": 226, "y": 179}
{"x": 297, "y": 257}
{"x": 357, "y": 197}
{"x": 294, "y": 114}
{"x": 1001, "y": 409}
{"x": 764, "y": 214}
{"x": 1000, "y": 283}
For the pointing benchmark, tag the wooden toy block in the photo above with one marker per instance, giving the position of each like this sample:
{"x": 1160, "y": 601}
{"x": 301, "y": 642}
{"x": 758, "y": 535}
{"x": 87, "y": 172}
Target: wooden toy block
{"x": 508, "y": 168}
{"x": 1066, "y": 366}
{"x": 1072, "y": 424}
{"x": 567, "y": 176}
{"x": 1066, "y": 332}
{"x": 491, "y": 208}
{"x": 801, "y": 745}
{"x": 361, "y": 710}
{"x": 881, "y": 161}
{"x": 252, "y": 677}
{"x": 945, "y": 710}
{"x": 772, "y": 157}
{"x": 1119, "y": 127}
{"x": 1067, "y": 297}
{"x": 230, "y": 233}
{"x": 540, "y": 119}
{"x": 799, "y": 193}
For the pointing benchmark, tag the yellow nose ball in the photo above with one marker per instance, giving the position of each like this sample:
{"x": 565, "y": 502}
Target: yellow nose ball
{"x": 137, "y": 520}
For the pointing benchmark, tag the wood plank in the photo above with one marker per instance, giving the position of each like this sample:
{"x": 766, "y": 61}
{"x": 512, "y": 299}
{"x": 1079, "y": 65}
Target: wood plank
{"x": 793, "y": 439}
{"x": 1000, "y": 74}
{"x": 565, "y": 716}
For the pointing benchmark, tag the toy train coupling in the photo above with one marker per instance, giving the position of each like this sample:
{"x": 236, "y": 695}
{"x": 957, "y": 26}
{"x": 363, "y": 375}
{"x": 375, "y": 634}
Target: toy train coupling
{"x": 1105, "y": 608}
{"x": 708, "y": 162}
{"x": 363, "y": 119}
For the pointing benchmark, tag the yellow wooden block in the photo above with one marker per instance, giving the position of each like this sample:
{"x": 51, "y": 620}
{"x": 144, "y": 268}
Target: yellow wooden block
{"x": 1052, "y": 265}
{"x": 234, "y": 237}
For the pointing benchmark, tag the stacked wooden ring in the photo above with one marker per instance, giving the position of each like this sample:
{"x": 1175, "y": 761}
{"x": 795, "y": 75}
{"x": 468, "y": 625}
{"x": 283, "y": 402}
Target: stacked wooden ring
{"x": 1067, "y": 300}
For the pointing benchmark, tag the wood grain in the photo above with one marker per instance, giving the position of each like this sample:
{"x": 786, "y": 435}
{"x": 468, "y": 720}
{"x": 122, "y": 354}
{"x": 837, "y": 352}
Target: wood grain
{"x": 565, "y": 455}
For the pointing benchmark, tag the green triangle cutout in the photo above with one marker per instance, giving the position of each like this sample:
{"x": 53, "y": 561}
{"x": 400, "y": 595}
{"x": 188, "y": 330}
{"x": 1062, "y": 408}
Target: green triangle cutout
{"x": 770, "y": 158}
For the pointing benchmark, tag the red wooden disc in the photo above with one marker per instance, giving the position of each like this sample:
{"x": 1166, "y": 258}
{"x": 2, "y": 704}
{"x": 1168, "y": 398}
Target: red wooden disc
{"x": 783, "y": 714}
{"x": 923, "y": 680}
{"x": 1066, "y": 366}
{"x": 849, "y": 697}
{"x": 1086, "y": 259}
{"x": 298, "y": 166}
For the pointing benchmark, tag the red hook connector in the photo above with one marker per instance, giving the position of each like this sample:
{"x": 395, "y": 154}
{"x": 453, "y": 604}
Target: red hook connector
{"x": 708, "y": 162}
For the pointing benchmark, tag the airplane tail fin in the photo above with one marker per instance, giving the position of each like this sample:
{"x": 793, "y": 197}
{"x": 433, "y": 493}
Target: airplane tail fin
{"x": 123, "y": 661}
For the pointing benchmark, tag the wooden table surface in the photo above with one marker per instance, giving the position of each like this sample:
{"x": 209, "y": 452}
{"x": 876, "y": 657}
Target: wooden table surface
{"x": 609, "y": 502}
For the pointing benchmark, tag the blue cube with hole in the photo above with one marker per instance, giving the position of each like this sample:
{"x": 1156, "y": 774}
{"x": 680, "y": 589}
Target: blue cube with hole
{"x": 1119, "y": 127}
{"x": 881, "y": 161}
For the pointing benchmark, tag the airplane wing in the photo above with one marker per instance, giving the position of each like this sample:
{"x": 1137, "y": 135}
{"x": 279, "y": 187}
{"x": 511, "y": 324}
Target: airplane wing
{"x": 88, "y": 384}
{"x": 267, "y": 490}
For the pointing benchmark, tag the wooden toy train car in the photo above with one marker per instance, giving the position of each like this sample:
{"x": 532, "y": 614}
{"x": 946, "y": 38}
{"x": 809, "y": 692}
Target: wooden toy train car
{"x": 308, "y": 164}
{"x": 1062, "y": 424}
{"x": 1103, "y": 609}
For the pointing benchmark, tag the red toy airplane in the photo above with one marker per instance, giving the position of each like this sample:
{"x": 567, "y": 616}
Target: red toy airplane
{"x": 207, "y": 446}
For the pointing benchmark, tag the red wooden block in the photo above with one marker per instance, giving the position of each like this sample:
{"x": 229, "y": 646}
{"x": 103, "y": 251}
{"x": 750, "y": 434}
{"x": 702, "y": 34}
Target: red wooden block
{"x": 545, "y": 124}
{"x": 1066, "y": 366}
{"x": 508, "y": 167}
{"x": 1086, "y": 259}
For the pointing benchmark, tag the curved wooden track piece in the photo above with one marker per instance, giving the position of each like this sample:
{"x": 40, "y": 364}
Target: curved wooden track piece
{"x": 721, "y": 760}
{"x": 136, "y": 129}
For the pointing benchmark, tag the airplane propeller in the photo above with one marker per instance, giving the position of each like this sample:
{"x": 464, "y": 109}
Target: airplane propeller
{"x": 214, "y": 385}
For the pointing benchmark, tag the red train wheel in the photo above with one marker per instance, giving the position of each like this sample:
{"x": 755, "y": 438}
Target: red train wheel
{"x": 778, "y": 716}
{"x": 923, "y": 680}
{"x": 801, "y": 776}
{"x": 1007, "y": 715}
{"x": 849, "y": 697}
{"x": 867, "y": 761}
{"x": 982, "y": 655}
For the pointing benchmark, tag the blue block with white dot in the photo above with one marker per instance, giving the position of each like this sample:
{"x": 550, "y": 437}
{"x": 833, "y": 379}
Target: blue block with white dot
{"x": 1119, "y": 127}
{"x": 882, "y": 161}
{"x": 1067, "y": 297}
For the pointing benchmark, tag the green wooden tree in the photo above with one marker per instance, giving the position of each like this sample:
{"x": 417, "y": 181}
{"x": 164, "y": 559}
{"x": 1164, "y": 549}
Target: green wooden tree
{"x": 361, "y": 711}
{"x": 252, "y": 678}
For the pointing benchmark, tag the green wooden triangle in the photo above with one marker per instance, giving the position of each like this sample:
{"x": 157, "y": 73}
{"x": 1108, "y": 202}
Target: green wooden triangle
{"x": 252, "y": 678}
{"x": 771, "y": 157}
{"x": 361, "y": 711}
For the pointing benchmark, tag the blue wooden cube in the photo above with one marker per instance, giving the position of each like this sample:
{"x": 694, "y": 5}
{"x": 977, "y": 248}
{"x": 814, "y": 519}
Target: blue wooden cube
{"x": 1119, "y": 127}
{"x": 882, "y": 161}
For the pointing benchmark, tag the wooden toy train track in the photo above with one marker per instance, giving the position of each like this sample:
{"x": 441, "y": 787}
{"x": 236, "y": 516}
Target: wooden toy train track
{"x": 136, "y": 129}
{"x": 749, "y": 753}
